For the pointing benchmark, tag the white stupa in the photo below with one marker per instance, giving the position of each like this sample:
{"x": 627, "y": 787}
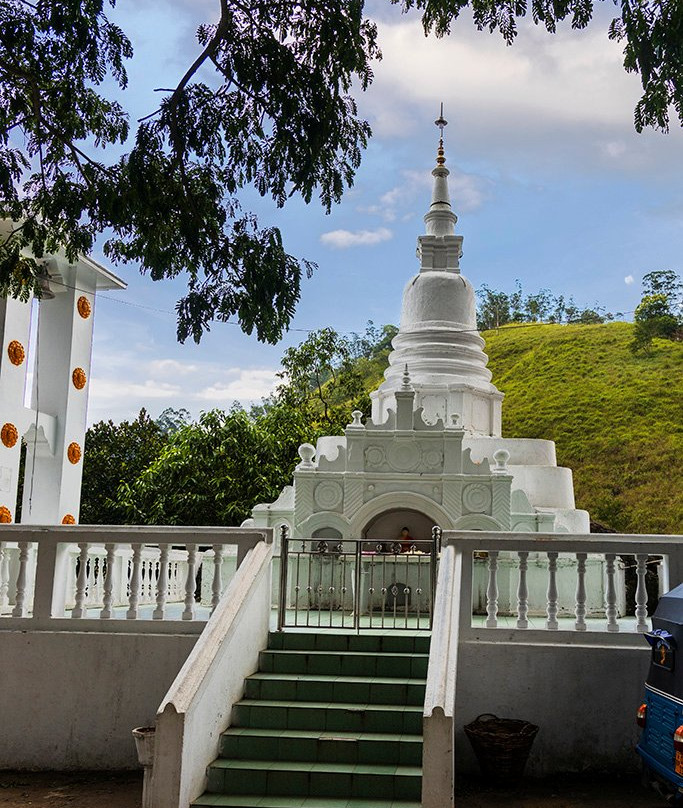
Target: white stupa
{"x": 432, "y": 452}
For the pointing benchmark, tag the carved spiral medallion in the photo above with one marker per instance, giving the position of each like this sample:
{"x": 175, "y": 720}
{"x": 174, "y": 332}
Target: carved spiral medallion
{"x": 476, "y": 498}
{"x": 374, "y": 455}
{"x": 73, "y": 453}
{"x": 79, "y": 378}
{"x": 433, "y": 458}
{"x": 328, "y": 495}
{"x": 5, "y": 515}
{"x": 9, "y": 435}
{"x": 16, "y": 352}
{"x": 69, "y": 519}
{"x": 84, "y": 307}
{"x": 403, "y": 456}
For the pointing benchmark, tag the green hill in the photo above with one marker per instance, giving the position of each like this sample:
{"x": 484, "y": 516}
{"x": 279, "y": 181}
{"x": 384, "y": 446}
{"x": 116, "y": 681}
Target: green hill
{"x": 617, "y": 419}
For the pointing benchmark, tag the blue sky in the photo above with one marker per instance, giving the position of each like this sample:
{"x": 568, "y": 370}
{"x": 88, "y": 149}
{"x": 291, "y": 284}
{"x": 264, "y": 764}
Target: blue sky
{"x": 550, "y": 181}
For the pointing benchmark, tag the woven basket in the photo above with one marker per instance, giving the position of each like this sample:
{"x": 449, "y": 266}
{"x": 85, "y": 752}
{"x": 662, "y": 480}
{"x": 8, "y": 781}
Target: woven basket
{"x": 502, "y": 745}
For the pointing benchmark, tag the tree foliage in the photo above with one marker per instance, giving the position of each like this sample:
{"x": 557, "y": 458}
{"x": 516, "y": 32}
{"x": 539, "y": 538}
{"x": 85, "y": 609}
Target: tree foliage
{"x": 267, "y": 105}
{"x": 115, "y": 454}
{"x": 659, "y": 313}
{"x": 496, "y": 309}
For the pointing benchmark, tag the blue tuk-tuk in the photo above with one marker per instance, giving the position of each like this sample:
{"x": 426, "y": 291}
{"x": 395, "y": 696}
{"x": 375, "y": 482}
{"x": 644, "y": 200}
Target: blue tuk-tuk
{"x": 661, "y": 714}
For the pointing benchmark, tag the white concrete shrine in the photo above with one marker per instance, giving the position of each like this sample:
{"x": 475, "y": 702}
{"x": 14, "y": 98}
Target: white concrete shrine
{"x": 53, "y": 427}
{"x": 432, "y": 452}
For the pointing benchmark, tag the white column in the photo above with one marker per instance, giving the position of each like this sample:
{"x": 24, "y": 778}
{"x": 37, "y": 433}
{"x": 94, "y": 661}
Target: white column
{"x": 61, "y": 379}
{"x": 15, "y": 326}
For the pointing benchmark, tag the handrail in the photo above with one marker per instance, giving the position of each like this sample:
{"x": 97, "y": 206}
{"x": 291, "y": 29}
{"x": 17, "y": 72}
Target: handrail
{"x": 198, "y": 704}
{"x": 438, "y": 718}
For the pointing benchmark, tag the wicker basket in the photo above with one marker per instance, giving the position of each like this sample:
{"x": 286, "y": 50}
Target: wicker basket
{"x": 502, "y": 745}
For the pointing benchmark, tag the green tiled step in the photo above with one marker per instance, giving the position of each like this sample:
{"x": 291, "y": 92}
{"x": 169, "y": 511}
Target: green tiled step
{"x": 335, "y": 716}
{"x": 249, "y": 801}
{"x": 337, "y": 641}
{"x": 347, "y": 663}
{"x": 308, "y": 687}
{"x": 318, "y": 747}
{"x": 368, "y": 781}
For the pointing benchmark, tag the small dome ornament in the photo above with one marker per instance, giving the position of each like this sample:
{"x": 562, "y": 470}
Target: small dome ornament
{"x": 79, "y": 378}
{"x": 16, "y": 352}
{"x": 74, "y": 453}
{"x": 9, "y": 435}
{"x": 5, "y": 515}
{"x": 84, "y": 307}
{"x": 68, "y": 519}
{"x": 441, "y": 122}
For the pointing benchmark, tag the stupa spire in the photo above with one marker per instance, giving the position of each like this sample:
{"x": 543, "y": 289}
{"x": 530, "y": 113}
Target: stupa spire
{"x": 440, "y": 219}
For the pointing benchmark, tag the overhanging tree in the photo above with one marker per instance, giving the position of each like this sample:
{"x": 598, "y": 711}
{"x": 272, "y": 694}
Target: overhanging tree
{"x": 266, "y": 104}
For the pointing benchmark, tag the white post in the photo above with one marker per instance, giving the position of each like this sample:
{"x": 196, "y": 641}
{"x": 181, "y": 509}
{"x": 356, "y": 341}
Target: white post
{"x": 580, "y": 610}
{"x": 162, "y": 584}
{"x": 19, "y": 609}
{"x": 523, "y": 590}
{"x": 641, "y": 593}
{"x": 611, "y": 594}
{"x": 217, "y": 586}
{"x": 4, "y": 575}
{"x": 492, "y": 591}
{"x": 551, "y": 622}
{"x": 107, "y": 611}
{"x": 82, "y": 581}
{"x": 135, "y": 584}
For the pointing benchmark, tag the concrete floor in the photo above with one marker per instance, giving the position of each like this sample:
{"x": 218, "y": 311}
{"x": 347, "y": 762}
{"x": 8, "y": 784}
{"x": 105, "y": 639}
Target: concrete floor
{"x": 123, "y": 790}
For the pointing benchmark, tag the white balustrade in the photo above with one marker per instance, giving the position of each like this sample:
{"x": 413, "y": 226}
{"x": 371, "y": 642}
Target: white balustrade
{"x": 22, "y": 579}
{"x": 108, "y": 597}
{"x": 580, "y": 609}
{"x": 641, "y": 593}
{"x": 551, "y": 622}
{"x": 492, "y": 591}
{"x": 611, "y": 594}
{"x": 162, "y": 584}
{"x": 4, "y": 575}
{"x": 523, "y": 590}
{"x": 217, "y": 585}
{"x": 190, "y": 583}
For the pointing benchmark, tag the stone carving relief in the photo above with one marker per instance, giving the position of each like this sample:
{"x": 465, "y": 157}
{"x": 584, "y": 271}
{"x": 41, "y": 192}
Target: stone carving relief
{"x": 432, "y": 458}
{"x": 374, "y": 456}
{"x": 328, "y": 495}
{"x": 403, "y": 456}
{"x": 476, "y": 497}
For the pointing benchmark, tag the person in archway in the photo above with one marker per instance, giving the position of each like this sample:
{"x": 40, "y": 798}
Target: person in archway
{"x": 407, "y": 541}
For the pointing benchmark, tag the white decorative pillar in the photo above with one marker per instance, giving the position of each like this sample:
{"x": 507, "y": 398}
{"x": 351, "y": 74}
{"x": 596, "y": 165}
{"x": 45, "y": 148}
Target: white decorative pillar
{"x": 52, "y": 488}
{"x": 15, "y": 325}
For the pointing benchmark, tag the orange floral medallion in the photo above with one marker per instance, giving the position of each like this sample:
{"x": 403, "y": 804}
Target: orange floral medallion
{"x": 84, "y": 307}
{"x": 79, "y": 378}
{"x": 73, "y": 453}
{"x": 9, "y": 435}
{"x": 5, "y": 515}
{"x": 69, "y": 519}
{"x": 16, "y": 352}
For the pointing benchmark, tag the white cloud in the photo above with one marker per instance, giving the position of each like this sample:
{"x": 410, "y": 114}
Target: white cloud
{"x": 629, "y": 279}
{"x": 170, "y": 367}
{"x": 614, "y": 148}
{"x": 250, "y": 385}
{"x": 341, "y": 239}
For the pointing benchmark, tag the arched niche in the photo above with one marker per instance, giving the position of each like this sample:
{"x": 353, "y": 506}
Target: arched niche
{"x": 387, "y": 526}
{"x": 327, "y": 533}
{"x": 327, "y": 521}
{"x": 399, "y": 501}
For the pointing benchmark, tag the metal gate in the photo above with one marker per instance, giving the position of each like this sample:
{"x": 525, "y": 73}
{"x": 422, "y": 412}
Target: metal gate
{"x": 357, "y": 583}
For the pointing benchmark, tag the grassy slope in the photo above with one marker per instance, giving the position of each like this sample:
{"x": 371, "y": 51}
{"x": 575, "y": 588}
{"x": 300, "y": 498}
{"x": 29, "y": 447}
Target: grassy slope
{"x": 617, "y": 419}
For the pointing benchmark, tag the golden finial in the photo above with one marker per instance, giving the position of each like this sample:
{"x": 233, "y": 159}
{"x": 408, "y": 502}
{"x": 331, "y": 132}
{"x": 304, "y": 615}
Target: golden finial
{"x": 441, "y": 122}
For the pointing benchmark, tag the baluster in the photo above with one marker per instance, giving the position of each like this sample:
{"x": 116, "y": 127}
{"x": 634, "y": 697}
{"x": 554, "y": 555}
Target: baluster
{"x": 551, "y": 610}
{"x": 217, "y": 585}
{"x": 492, "y": 591}
{"x": 94, "y": 575}
{"x": 4, "y": 575}
{"x": 580, "y": 608}
{"x": 523, "y": 590}
{"x": 641, "y": 593}
{"x": 108, "y": 598}
{"x": 162, "y": 585}
{"x": 135, "y": 584}
{"x": 81, "y": 581}
{"x": 611, "y": 594}
{"x": 190, "y": 583}
{"x": 174, "y": 588}
{"x": 19, "y": 609}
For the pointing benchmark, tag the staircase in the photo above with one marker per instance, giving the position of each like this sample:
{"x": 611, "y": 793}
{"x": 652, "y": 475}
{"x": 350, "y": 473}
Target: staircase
{"x": 329, "y": 721}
